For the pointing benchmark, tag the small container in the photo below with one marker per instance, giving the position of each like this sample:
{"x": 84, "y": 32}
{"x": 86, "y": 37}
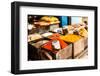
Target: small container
{"x": 56, "y": 45}
{"x": 76, "y": 32}
{"x": 65, "y": 31}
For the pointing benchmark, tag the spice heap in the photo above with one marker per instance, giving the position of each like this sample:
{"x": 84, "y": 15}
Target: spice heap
{"x": 50, "y": 19}
{"x": 83, "y": 32}
{"x": 70, "y": 38}
{"x": 54, "y": 45}
{"x": 54, "y": 36}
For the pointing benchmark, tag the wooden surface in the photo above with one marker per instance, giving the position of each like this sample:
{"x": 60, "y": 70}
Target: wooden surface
{"x": 78, "y": 46}
{"x": 83, "y": 54}
{"x": 65, "y": 53}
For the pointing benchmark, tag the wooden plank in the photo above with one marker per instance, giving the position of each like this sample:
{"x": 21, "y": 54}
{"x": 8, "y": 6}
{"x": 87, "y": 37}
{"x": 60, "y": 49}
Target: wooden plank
{"x": 83, "y": 54}
{"x": 64, "y": 53}
{"x": 85, "y": 42}
{"x": 78, "y": 46}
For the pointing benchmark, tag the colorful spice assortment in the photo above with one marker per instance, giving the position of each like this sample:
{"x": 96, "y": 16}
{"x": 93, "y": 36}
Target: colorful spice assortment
{"x": 55, "y": 37}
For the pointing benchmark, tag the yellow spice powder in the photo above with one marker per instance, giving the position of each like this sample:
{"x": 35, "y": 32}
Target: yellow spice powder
{"x": 70, "y": 38}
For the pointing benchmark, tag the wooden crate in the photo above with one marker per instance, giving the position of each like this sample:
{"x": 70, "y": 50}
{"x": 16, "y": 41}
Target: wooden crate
{"x": 65, "y": 53}
{"x": 44, "y": 55}
{"x": 34, "y": 49}
{"x": 78, "y": 46}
